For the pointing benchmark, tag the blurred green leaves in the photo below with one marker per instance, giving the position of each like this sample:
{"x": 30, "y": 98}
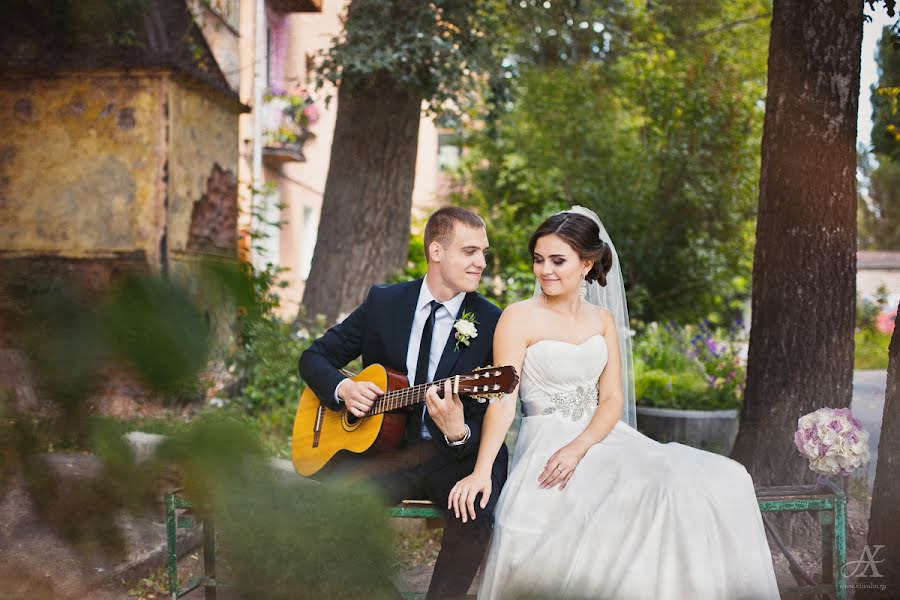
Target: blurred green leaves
{"x": 157, "y": 330}
{"x": 278, "y": 536}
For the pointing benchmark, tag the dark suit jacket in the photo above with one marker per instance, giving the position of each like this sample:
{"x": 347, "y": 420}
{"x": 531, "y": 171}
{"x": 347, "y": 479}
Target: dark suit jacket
{"x": 379, "y": 330}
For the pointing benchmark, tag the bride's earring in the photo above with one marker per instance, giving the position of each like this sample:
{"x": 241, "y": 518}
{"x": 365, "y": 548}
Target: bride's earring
{"x": 582, "y": 291}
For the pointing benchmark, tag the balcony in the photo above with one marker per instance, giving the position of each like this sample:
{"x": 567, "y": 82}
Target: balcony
{"x": 294, "y": 6}
{"x": 286, "y": 121}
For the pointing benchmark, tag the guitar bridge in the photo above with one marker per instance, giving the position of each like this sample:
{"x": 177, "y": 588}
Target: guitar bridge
{"x": 317, "y": 428}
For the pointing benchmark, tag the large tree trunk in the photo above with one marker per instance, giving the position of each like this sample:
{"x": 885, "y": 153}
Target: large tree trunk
{"x": 804, "y": 268}
{"x": 884, "y": 519}
{"x": 364, "y": 229}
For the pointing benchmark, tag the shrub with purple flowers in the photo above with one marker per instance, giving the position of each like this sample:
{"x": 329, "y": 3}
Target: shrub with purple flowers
{"x": 692, "y": 367}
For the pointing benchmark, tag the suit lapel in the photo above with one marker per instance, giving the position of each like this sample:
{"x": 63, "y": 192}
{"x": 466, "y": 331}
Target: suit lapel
{"x": 450, "y": 355}
{"x": 406, "y": 311}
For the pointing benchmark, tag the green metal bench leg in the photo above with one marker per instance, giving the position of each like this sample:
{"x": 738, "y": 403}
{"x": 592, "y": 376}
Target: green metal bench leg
{"x": 209, "y": 558}
{"x": 171, "y": 546}
{"x": 840, "y": 546}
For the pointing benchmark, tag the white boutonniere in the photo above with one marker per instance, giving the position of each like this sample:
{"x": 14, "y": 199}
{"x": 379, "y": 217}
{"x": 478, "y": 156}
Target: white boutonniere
{"x": 464, "y": 329}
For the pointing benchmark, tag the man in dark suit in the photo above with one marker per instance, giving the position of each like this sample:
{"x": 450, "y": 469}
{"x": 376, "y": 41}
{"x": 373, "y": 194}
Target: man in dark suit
{"x": 410, "y": 327}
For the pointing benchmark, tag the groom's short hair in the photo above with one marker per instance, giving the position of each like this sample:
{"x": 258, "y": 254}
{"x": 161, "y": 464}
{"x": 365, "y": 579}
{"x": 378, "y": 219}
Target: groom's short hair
{"x": 439, "y": 227}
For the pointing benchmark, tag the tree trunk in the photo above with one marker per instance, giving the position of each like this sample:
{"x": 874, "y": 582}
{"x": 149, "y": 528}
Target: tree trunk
{"x": 364, "y": 229}
{"x": 804, "y": 268}
{"x": 885, "y": 514}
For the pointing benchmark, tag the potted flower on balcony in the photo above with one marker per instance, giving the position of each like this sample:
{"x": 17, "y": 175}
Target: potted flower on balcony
{"x": 287, "y": 119}
{"x": 689, "y": 383}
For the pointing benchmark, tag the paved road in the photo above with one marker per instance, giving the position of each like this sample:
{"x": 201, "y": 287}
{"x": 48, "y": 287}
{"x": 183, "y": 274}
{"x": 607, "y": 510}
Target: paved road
{"x": 868, "y": 405}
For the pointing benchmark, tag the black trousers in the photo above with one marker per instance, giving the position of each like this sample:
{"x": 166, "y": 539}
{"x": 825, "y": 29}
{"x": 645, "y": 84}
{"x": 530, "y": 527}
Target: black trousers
{"x": 421, "y": 471}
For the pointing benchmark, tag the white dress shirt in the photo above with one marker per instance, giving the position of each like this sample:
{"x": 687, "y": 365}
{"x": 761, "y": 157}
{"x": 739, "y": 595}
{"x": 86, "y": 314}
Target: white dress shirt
{"x": 443, "y": 326}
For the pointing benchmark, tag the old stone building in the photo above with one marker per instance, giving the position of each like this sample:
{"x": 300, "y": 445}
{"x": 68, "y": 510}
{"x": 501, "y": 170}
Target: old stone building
{"x": 119, "y": 150}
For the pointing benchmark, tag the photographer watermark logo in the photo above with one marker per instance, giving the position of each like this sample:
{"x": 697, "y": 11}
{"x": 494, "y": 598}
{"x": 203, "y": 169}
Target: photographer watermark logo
{"x": 867, "y": 565}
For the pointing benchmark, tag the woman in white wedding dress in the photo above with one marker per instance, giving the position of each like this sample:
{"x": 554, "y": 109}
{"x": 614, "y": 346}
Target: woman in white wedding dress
{"x": 593, "y": 508}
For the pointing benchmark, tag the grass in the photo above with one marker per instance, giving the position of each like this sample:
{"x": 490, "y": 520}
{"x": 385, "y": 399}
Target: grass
{"x": 417, "y": 547}
{"x": 871, "y": 350}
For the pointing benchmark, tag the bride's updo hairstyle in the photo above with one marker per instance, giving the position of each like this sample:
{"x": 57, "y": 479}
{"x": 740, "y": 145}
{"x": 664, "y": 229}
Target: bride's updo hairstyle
{"x": 583, "y": 235}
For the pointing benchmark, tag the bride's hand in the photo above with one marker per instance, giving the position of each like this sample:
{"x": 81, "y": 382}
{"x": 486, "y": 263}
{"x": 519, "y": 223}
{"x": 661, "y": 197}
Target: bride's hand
{"x": 462, "y": 496}
{"x": 561, "y": 466}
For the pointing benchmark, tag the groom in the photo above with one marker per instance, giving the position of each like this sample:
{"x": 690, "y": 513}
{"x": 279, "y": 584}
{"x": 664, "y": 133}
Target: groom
{"x": 409, "y": 327}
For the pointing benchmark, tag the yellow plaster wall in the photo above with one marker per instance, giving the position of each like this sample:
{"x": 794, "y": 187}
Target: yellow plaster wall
{"x": 203, "y": 131}
{"x": 80, "y": 165}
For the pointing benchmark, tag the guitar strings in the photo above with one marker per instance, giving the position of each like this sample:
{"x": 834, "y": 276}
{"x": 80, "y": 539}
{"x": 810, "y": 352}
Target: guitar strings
{"x": 404, "y": 397}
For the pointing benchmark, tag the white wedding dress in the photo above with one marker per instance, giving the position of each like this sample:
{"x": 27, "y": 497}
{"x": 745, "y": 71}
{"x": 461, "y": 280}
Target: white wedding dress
{"x": 638, "y": 519}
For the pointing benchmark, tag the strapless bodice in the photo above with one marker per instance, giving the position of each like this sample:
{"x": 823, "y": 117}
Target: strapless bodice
{"x": 560, "y": 378}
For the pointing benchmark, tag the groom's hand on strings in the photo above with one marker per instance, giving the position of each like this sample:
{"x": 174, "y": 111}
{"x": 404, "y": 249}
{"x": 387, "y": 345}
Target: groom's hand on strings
{"x": 446, "y": 411}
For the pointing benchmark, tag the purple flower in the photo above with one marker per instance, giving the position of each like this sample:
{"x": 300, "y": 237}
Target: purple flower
{"x": 711, "y": 345}
{"x": 835, "y": 426}
{"x": 822, "y": 449}
{"x": 853, "y": 437}
{"x": 855, "y": 422}
{"x": 810, "y": 433}
{"x": 798, "y": 440}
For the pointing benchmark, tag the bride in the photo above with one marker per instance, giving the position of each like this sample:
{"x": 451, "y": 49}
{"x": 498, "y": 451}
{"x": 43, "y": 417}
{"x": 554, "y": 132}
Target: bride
{"x": 593, "y": 508}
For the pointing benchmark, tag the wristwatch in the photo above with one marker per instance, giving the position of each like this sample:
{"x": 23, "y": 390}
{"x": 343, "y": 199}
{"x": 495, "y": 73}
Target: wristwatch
{"x": 464, "y": 439}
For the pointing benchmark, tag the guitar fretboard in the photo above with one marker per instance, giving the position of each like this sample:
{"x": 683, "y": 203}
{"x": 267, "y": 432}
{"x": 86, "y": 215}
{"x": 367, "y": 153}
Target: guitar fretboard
{"x": 405, "y": 397}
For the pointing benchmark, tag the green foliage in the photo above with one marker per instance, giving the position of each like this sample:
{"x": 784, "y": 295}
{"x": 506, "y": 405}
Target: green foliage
{"x": 437, "y": 48}
{"x": 265, "y": 360}
{"x": 416, "y": 265}
{"x": 879, "y": 218}
{"x": 871, "y": 345}
{"x": 271, "y": 532}
{"x": 885, "y": 117}
{"x": 692, "y": 367}
{"x": 868, "y": 309}
{"x": 168, "y": 344}
{"x": 281, "y": 540}
{"x": 658, "y": 131}
{"x": 871, "y": 349}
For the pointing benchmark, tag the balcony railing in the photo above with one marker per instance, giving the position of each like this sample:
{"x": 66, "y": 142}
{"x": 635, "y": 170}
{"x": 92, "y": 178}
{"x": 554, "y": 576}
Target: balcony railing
{"x": 291, "y": 6}
{"x": 286, "y": 121}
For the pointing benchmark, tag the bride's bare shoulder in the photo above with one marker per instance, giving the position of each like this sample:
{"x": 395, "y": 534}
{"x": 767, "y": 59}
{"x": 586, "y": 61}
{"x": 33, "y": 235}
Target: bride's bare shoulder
{"x": 602, "y": 317}
{"x": 518, "y": 314}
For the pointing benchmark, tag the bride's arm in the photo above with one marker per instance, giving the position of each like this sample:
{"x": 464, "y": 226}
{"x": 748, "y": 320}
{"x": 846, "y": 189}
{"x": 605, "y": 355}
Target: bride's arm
{"x": 561, "y": 466}
{"x": 509, "y": 349}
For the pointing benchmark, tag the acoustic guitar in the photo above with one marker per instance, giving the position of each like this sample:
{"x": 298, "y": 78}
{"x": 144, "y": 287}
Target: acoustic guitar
{"x": 319, "y": 433}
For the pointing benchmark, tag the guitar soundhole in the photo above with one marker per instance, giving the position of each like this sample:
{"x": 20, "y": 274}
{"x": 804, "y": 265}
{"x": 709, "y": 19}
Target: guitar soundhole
{"x": 349, "y": 420}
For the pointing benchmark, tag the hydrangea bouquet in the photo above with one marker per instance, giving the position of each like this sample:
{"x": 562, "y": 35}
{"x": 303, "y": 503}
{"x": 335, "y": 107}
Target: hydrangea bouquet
{"x": 833, "y": 441}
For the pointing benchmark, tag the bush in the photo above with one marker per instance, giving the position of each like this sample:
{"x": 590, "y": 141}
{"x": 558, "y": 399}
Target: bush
{"x": 871, "y": 349}
{"x": 661, "y": 389}
{"x": 691, "y": 367}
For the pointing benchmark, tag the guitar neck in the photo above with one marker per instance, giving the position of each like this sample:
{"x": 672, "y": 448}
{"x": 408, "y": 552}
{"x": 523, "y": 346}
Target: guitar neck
{"x": 405, "y": 397}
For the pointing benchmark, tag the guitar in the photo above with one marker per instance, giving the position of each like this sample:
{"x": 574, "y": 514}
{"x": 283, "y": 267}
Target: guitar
{"x": 319, "y": 433}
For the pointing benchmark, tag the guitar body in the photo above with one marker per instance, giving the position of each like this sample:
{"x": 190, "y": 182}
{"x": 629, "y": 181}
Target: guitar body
{"x": 320, "y": 433}
{"x": 340, "y": 430}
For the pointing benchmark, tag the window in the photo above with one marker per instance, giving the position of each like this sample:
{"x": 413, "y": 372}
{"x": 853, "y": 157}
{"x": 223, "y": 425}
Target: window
{"x": 448, "y": 151}
{"x": 269, "y": 226}
{"x": 308, "y": 243}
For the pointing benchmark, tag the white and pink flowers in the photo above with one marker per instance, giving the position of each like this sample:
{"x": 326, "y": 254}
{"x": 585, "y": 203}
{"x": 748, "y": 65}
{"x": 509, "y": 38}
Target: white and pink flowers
{"x": 833, "y": 441}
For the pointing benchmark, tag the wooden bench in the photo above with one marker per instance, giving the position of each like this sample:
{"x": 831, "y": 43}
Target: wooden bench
{"x": 827, "y": 501}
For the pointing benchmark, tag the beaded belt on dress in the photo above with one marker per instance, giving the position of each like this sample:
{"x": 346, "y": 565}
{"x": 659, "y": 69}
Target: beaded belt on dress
{"x": 573, "y": 404}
